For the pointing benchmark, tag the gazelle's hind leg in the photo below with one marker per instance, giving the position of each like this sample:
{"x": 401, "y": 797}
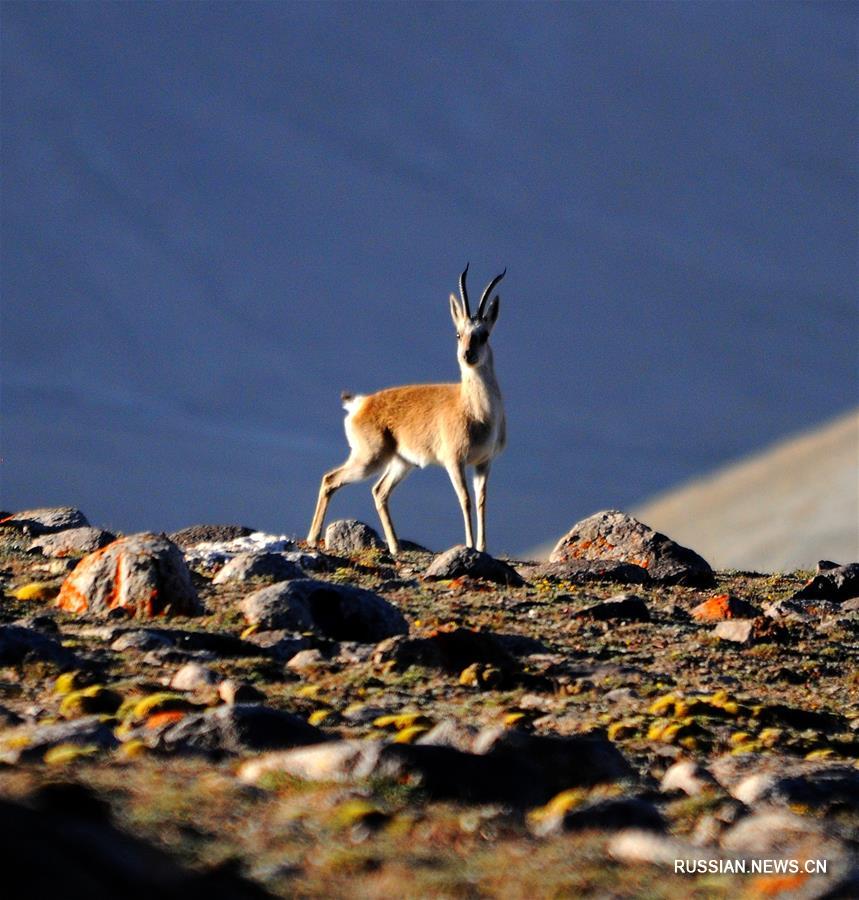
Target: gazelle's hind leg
{"x": 397, "y": 470}
{"x": 352, "y": 470}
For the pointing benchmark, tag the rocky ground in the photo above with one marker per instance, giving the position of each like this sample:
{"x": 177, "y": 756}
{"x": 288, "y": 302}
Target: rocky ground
{"x": 222, "y": 713}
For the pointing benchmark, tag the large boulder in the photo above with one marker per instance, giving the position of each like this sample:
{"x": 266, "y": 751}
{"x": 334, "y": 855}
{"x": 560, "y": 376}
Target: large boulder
{"x": 144, "y": 574}
{"x": 614, "y": 535}
{"x": 71, "y": 542}
{"x": 466, "y": 561}
{"x": 46, "y": 520}
{"x": 348, "y": 536}
{"x": 337, "y": 611}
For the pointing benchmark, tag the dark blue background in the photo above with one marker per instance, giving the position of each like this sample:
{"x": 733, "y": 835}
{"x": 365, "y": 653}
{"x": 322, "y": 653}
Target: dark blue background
{"x": 217, "y": 216}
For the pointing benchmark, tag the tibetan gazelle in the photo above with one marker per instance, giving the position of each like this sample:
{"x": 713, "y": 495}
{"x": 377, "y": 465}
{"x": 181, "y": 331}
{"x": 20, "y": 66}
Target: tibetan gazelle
{"x": 450, "y": 425}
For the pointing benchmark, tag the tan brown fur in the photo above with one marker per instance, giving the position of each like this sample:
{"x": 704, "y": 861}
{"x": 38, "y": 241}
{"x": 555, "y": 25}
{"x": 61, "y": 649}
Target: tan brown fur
{"x": 451, "y": 425}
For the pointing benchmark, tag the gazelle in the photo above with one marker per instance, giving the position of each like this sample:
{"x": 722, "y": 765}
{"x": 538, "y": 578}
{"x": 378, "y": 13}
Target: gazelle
{"x": 450, "y": 425}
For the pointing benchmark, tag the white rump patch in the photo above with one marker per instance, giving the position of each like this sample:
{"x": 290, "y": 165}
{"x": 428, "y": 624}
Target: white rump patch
{"x": 351, "y": 405}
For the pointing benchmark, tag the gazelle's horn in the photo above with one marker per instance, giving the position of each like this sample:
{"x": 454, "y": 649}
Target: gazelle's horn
{"x": 487, "y": 293}
{"x": 463, "y": 292}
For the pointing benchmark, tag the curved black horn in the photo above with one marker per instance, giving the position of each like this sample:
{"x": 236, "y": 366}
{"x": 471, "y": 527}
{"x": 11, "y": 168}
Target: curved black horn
{"x": 486, "y": 294}
{"x": 462, "y": 290}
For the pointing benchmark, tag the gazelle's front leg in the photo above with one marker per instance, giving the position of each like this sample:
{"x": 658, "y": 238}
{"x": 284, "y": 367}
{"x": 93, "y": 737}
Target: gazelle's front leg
{"x": 456, "y": 471}
{"x": 481, "y": 476}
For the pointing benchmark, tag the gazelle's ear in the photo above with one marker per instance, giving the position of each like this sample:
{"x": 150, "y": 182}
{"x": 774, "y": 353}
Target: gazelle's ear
{"x": 456, "y": 310}
{"x": 491, "y": 314}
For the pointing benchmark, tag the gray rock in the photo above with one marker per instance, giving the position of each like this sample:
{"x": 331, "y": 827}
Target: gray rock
{"x": 613, "y": 535}
{"x": 192, "y": 676}
{"x": 19, "y": 644}
{"x": 451, "y": 733}
{"x": 234, "y": 692}
{"x": 688, "y": 777}
{"x": 740, "y": 631}
{"x": 197, "y": 534}
{"x": 341, "y": 612}
{"x": 142, "y": 639}
{"x": 72, "y": 541}
{"x": 586, "y": 571}
{"x": 46, "y": 520}
{"x": 838, "y": 584}
{"x": 634, "y": 845}
{"x": 348, "y": 536}
{"x": 519, "y": 775}
{"x": 609, "y": 814}
{"x": 30, "y": 742}
{"x": 450, "y": 649}
{"x": 144, "y": 574}
{"x": 306, "y": 659}
{"x": 244, "y": 727}
{"x": 815, "y": 787}
{"x": 279, "y": 643}
{"x": 466, "y": 561}
{"x": 271, "y": 566}
{"x": 767, "y": 830}
{"x": 623, "y": 606}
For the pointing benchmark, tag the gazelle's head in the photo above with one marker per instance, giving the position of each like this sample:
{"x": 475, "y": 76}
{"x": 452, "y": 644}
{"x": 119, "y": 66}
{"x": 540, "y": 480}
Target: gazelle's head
{"x": 472, "y": 332}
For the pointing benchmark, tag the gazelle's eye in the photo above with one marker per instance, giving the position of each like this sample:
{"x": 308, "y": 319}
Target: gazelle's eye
{"x": 458, "y": 335}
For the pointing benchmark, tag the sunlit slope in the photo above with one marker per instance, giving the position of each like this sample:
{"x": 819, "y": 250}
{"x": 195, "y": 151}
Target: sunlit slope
{"x": 782, "y": 509}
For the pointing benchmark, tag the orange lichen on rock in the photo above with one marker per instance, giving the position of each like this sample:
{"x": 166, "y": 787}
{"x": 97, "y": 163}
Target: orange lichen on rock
{"x": 164, "y": 718}
{"x": 723, "y": 606}
{"x": 144, "y": 574}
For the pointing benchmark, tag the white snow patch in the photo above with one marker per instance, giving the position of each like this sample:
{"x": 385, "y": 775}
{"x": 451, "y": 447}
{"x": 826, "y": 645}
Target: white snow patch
{"x": 208, "y": 554}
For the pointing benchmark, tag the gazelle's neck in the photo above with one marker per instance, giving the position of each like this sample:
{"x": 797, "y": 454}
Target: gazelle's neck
{"x": 480, "y": 389}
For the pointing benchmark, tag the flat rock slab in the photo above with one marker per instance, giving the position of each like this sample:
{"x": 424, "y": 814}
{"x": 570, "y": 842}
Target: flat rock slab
{"x": 613, "y": 535}
{"x": 47, "y": 520}
{"x": 462, "y": 561}
{"x": 627, "y": 607}
{"x": 350, "y": 536}
{"x": 337, "y": 611}
{"x": 522, "y": 772}
{"x": 245, "y": 566}
{"x": 18, "y": 644}
{"x": 72, "y": 541}
{"x": 838, "y": 584}
{"x": 144, "y": 574}
{"x": 240, "y": 728}
{"x": 585, "y": 571}
{"x": 197, "y": 534}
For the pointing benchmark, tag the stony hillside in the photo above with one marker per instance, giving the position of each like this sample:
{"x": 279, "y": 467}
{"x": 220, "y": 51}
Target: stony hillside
{"x": 224, "y": 713}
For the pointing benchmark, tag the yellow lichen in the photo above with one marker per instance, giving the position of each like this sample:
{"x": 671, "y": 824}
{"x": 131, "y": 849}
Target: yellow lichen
{"x": 36, "y": 590}
{"x": 66, "y": 753}
{"x": 410, "y": 735}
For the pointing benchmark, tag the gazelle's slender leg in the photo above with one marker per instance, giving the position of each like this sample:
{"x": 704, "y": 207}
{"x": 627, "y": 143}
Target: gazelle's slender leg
{"x": 397, "y": 470}
{"x": 352, "y": 470}
{"x": 456, "y": 471}
{"x": 481, "y": 476}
